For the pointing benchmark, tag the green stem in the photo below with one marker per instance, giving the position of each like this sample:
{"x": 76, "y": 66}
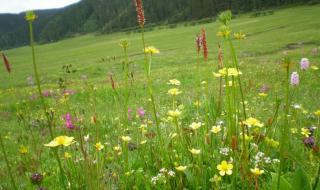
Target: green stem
{"x": 43, "y": 101}
{"x": 199, "y": 85}
{"x": 317, "y": 179}
{"x": 7, "y": 163}
{"x": 284, "y": 135}
{"x": 154, "y": 109}
{"x": 235, "y": 61}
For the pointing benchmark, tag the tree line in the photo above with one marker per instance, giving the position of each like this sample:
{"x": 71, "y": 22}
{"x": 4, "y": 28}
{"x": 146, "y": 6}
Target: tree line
{"x": 107, "y": 16}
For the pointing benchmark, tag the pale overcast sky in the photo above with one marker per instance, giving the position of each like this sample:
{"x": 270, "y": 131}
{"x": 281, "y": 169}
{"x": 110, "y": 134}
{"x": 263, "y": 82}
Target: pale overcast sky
{"x": 17, "y": 6}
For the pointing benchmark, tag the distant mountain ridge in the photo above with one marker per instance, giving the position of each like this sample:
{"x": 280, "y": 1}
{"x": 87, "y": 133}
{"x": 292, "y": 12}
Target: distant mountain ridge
{"x": 114, "y": 15}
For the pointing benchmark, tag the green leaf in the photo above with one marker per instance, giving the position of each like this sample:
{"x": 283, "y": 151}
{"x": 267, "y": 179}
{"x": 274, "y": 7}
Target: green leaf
{"x": 284, "y": 184}
{"x": 301, "y": 180}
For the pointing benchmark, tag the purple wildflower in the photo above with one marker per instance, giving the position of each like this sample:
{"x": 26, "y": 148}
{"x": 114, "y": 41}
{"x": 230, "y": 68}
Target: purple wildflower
{"x": 264, "y": 88}
{"x": 68, "y": 121}
{"x": 141, "y": 112}
{"x": 36, "y": 178}
{"x": 304, "y": 64}
{"x": 309, "y": 142}
{"x": 47, "y": 93}
{"x": 295, "y": 79}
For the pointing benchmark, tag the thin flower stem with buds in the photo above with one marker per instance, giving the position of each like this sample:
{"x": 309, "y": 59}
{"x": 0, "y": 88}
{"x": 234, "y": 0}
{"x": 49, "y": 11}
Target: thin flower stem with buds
{"x": 149, "y": 82}
{"x": 43, "y": 101}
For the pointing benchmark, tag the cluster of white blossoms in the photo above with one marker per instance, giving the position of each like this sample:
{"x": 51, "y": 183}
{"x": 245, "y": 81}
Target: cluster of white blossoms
{"x": 161, "y": 177}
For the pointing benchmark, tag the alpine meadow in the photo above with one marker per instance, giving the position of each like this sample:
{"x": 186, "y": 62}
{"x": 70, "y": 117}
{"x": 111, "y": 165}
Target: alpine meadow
{"x": 146, "y": 94}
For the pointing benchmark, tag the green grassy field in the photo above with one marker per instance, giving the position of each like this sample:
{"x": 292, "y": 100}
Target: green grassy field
{"x": 268, "y": 37}
{"x": 294, "y": 30}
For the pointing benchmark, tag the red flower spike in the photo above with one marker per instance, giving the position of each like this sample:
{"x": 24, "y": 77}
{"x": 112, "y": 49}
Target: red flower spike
{"x": 198, "y": 43}
{"x": 113, "y": 85}
{"x": 140, "y": 12}
{"x": 204, "y": 44}
{"x": 6, "y": 62}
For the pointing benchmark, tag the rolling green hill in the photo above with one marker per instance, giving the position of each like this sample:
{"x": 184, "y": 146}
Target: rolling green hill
{"x": 268, "y": 36}
{"x": 107, "y": 16}
{"x": 211, "y": 134}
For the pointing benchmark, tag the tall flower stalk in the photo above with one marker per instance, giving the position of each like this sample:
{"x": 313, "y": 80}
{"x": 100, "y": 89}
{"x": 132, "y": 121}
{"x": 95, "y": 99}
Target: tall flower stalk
{"x": 284, "y": 140}
{"x": 220, "y": 57}
{"x": 147, "y": 64}
{"x": 30, "y": 18}
{"x": 3, "y": 150}
{"x": 231, "y": 91}
{"x": 124, "y": 44}
{"x": 198, "y": 46}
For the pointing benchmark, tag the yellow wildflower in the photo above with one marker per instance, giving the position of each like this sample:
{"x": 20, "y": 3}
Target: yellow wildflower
{"x": 246, "y": 137}
{"x": 126, "y": 139}
{"x": 195, "y": 151}
{"x": 271, "y": 142}
{"x": 127, "y": 174}
{"x": 225, "y": 168}
{"x": 174, "y": 92}
{"x": 143, "y": 142}
{"x": 239, "y": 36}
{"x": 231, "y": 83}
{"x": 30, "y": 16}
{"x": 174, "y": 114}
{"x": 233, "y": 72}
{"x": 257, "y": 171}
{"x": 98, "y": 146}
{"x": 61, "y": 140}
{"x": 173, "y": 135}
{"x": 117, "y": 148}
{"x": 224, "y": 31}
{"x": 215, "y": 179}
{"x": 313, "y": 67}
{"x": 151, "y": 50}
{"x": 181, "y": 168}
{"x": 195, "y": 125}
{"x": 294, "y": 130}
{"x": 227, "y": 72}
{"x": 174, "y": 82}
{"x": 23, "y": 150}
{"x": 67, "y": 155}
{"x": 317, "y": 113}
{"x": 197, "y": 103}
{"x": 216, "y": 129}
{"x": 217, "y": 75}
{"x": 263, "y": 94}
{"x": 124, "y": 44}
{"x": 306, "y": 132}
{"x": 253, "y": 122}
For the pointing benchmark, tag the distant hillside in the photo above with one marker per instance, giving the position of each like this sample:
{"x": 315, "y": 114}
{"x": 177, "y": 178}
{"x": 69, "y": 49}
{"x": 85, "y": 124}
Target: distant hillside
{"x": 114, "y": 15}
